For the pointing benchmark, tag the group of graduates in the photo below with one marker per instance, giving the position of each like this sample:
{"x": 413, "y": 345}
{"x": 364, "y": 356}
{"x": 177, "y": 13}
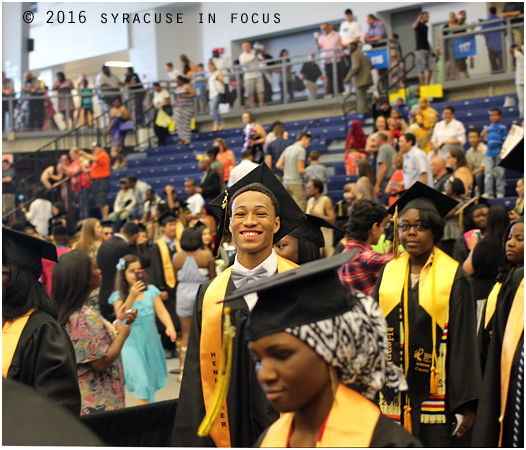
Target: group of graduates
{"x": 284, "y": 355}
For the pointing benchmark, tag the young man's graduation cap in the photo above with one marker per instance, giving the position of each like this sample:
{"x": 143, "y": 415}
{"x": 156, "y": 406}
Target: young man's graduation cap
{"x": 310, "y": 230}
{"x": 26, "y": 251}
{"x": 307, "y": 294}
{"x": 419, "y": 196}
{"x": 513, "y": 159}
{"x": 107, "y": 224}
{"x": 142, "y": 227}
{"x": 166, "y": 218}
{"x": 289, "y": 212}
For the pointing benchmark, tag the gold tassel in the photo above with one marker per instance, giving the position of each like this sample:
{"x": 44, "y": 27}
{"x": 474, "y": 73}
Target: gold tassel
{"x": 183, "y": 218}
{"x": 396, "y": 237}
{"x": 461, "y": 219}
{"x": 223, "y": 379}
{"x": 408, "y": 424}
{"x": 434, "y": 381}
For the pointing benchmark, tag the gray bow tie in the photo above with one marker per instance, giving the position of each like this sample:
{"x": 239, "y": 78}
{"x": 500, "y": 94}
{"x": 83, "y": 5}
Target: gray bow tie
{"x": 240, "y": 278}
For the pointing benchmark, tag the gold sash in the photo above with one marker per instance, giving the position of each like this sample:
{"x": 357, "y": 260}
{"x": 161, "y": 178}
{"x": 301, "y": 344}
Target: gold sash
{"x": 351, "y": 423}
{"x": 168, "y": 268}
{"x": 11, "y": 333}
{"x": 512, "y": 337}
{"x": 491, "y": 303}
{"x": 392, "y": 285}
{"x": 210, "y": 347}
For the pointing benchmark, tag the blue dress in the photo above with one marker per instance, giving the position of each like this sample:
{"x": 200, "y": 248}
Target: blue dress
{"x": 142, "y": 355}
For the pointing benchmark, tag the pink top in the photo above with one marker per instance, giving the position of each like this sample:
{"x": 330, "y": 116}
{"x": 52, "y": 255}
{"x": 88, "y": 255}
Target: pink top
{"x": 327, "y": 41}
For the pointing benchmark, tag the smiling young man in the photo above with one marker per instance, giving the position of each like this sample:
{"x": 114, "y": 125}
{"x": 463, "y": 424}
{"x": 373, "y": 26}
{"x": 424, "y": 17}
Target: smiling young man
{"x": 428, "y": 303}
{"x": 261, "y": 212}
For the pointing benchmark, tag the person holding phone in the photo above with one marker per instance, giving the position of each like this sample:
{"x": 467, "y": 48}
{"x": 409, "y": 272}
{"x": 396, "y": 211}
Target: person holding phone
{"x": 142, "y": 355}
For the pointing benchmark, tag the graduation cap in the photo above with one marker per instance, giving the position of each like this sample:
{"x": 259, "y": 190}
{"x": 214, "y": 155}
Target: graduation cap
{"x": 26, "y": 251}
{"x": 107, "y": 223}
{"x": 29, "y": 226}
{"x": 513, "y": 159}
{"x": 166, "y": 218}
{"x": 142, "y": 227}
{"x": 310, "y": 230}
{"x": 419, "y": 196}
{"x": 289, "y": 212}
{"x": 297, "y": 297}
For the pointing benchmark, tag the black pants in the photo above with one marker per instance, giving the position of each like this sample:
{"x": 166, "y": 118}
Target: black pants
{"x": 330, "y": 77}
{"x": 161, "y": 134}
{"x": 496, "y": 60}
{"x": 5, "y": 110}
{"x": 170, "y": 307}
{"x": 290, "y": 89}
{"x": 138, "y": 99}
{"x": 36, "y": 114}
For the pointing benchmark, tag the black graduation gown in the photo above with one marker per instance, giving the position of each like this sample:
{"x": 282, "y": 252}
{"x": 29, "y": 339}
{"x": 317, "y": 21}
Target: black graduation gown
{"x": 45, "y": 360}
{"x": 248, "y": 409}
{"x": 506, "y": 294}
{"x": 387, "y": 433}
{"x": 156, "y": 277}
{"x": 463, "y": 374}
{"x": 486, "y": 429}
{"x": 30, "y": 419}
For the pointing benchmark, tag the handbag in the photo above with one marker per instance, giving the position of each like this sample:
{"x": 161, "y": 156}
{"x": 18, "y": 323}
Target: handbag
{"x": 162, "y": 119}
{"x": 298, "y": 84}
{"x": 127, "y": 126}
{"x": 168, "y": 109}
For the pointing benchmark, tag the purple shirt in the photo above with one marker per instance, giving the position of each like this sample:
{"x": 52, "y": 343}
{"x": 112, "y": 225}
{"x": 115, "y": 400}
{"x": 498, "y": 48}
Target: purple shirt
{"x": 377, "y": 29}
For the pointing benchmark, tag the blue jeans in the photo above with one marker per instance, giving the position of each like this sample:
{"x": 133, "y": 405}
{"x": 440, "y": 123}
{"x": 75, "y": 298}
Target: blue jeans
{"x": 214, "y": 106}
{"x": 84, "y": 203}
{"x": 491, "y": 162}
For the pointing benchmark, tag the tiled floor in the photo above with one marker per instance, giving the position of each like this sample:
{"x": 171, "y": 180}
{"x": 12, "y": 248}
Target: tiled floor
{"x": 171, "y": 390}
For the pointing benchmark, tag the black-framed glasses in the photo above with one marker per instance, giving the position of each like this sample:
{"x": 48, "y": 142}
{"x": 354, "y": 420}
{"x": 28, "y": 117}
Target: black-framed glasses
{"x": 419, "y": 226}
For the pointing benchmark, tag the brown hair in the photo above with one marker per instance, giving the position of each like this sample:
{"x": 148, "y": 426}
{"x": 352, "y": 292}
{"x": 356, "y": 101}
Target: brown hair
{"x": 121, "y": 285}
{"x": 251, "y": 116}
{"x": 221, "y": 144}
{"x": 365, "y": 170}
{"x": 184, "y": 58}
{"x": 87, "y": 241}
{"x": 398, "y": 161}
{"x": 458, "y": 154}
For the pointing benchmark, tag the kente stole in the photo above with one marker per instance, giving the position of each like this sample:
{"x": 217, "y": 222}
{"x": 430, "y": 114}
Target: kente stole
{"x": 168, "y": 268}
{"x": 351, "y": 423}
{"x": 210, "y": 347}
{"x": 11, "y": 333}
{"x": 510, "y": 341}
{"x": 491, "y": 304}
{"x": 434, "y": 291}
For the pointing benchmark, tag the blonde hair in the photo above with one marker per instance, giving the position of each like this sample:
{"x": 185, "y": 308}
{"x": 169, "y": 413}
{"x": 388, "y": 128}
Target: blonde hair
{"x": 88, "y": 242}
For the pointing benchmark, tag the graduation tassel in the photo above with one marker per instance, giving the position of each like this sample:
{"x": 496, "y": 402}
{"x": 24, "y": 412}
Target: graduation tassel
{"x": 433, "y": 388}
{"x": 434, "y": 380}
{"x": 396, "y": 237}
{"x": 408, "y": 424}
{"x": 223, "y": 379}
{"x": 461, "y": 219}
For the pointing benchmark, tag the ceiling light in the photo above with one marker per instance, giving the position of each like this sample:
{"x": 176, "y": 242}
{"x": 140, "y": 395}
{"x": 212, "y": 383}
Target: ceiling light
{"x": 118, "y": 64}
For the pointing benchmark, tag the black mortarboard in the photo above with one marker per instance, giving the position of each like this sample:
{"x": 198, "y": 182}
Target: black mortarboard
{"x": 513, "y": 159}
{"x": 310, "y": 230}
{"x": 142, "y": 227}
{"x": 26, "y": 251}
{"x": 297, "y": 297}
{"x": 421, "y": 196}
{"x": 165, "y": 218}
{"x": 29, "y": 226}
{"x": 107, "y": 223}
{"x": 289, "y": 212}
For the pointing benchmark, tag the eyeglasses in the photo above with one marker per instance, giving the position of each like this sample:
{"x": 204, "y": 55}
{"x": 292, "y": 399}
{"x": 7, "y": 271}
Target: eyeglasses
{"x": 419, "y": 226}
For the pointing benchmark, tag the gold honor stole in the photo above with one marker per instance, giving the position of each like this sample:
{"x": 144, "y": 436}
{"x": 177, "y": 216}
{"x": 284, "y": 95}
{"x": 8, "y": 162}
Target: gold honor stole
{"x": 210, "y": 347}
{"x": 11, "y": 333}
{"x": 351, "y": 423}
{"x": 512, "y": 336}
{"x": 434, "y": 299}
{"x": 491, "y": 304}
{"x": 168, "y": 268}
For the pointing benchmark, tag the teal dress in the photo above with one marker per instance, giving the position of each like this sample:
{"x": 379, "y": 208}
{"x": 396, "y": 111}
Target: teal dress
{"x": 142, "y": 355}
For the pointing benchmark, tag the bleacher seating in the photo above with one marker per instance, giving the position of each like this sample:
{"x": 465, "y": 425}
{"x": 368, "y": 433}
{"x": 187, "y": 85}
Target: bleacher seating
{"x": 173, "y": 164}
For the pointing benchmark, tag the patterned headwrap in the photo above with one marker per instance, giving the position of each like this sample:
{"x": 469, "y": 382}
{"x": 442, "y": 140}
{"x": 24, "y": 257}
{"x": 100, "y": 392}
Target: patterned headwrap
{"x": 355, "y": 343}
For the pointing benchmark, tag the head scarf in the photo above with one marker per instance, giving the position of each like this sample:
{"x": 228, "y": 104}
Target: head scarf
{"x": 357, "y": 137}
{"x": 355, "y": 343}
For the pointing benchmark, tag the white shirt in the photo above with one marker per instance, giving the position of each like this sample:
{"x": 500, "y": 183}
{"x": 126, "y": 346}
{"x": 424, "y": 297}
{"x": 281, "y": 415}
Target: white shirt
{"x": 415, "y": 164}
{"x": 246, "y": 58}
{"x": 152, "y": 206}
{"x": 40, "y": 211}
{"x": 122, "y": 198}
{"x": 174, "y": 74}
{"x": 140, "y": 191}
{"x": 159, "y": 98}
{"x": 270, "y": 265}
{"x": 519, "y": 67}
{"x": 195, "y": 203}
{"x": 238, "y": 172}
{"x": 222, "y": 64}
{"x": 442, "y": 132}
{"x": 349, "y": 31}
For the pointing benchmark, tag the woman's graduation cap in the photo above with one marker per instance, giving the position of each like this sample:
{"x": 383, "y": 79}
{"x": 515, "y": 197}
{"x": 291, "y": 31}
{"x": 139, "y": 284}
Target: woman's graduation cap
{"x": 26, "y": 251}
{"x": 307, "y": 294}
{"x": 419, "y": 196}
{"x": 513, "y": 159}
{"x": 289, "y": 212}
{"x": 310, "y": 230}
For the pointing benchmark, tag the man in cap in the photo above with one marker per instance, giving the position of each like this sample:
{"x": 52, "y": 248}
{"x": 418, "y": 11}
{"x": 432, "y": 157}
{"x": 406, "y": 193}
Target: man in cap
{"x": 121, "y": 244}
{"x": 428, "y": 303}
{"x": 161, "y": 273}
{"x": 261, "y": 212}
